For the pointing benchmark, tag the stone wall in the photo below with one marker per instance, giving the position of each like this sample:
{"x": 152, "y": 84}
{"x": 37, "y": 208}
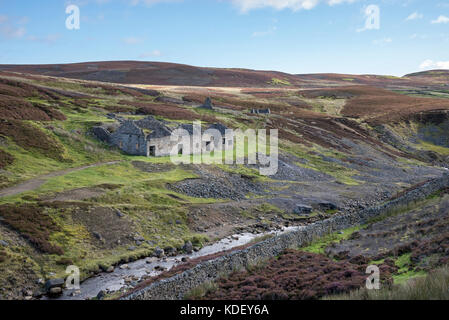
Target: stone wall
{"x": 102, "y": 134}
{"x": 179, "y": 285}
{"x": 163, "y": 146}
{"x": 130, "y": 139}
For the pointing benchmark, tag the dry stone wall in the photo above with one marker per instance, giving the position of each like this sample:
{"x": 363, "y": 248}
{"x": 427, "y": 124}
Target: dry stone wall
{"x": 179, "y": 285}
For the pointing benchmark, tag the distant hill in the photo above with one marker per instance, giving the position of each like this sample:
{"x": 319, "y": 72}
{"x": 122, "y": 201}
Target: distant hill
{"x": 158, "y": 73}
{"x": 430, "y": 74}
{"x": 172, "y": 74}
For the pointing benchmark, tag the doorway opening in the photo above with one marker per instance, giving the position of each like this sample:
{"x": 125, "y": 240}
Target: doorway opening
{"x": 152, "y": 151}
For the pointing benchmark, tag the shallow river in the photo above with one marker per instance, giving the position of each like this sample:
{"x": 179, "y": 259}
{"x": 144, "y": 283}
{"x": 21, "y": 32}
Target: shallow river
{"x": 111, "y": 282}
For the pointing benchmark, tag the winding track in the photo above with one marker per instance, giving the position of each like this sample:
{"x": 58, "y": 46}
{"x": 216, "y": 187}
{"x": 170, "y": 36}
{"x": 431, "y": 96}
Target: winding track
{"x": 35, "y": 183}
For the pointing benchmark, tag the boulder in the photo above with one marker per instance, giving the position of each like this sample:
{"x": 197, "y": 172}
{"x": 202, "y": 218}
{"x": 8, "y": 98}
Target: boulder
{"x": 158, "y": 252}
{"x": 119, "y": 213}
{"x": 101, "y": 295}
{"x": 3, "y": 243}
{"x": 170, "y": 251}
{"x": 110, "y": 269}
{"x": 326, "y": 205}
{"x": 188, "y": 247}
{"x": 54, "y": 292}
{"x": 97, "y": 235}
{"x": 303, "y": 209}
{"x": 54, "y": 283}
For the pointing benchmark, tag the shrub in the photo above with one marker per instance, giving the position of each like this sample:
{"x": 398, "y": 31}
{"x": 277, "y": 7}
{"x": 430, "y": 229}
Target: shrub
{"x": 5, "y": 159}
{"x": 34, "y": 224}
{"x": 295, "y": 275}
{"x": 3, "y": 256}
{"x": 434, "y": 286}
{"x": 13, "y": 104}
{"x": 171, "y": 112}
{"x": 28, "y": 137}
{"x": 65, "y": 262}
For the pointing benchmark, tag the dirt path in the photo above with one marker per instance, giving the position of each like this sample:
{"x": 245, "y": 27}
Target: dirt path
{"x": 35, "y": 183}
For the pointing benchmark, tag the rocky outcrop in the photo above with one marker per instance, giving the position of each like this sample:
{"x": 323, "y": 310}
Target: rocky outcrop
{"x": 179, "y": 285}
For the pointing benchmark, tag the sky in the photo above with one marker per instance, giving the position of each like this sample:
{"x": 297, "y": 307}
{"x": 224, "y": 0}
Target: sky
{"x": 390, "y": 37}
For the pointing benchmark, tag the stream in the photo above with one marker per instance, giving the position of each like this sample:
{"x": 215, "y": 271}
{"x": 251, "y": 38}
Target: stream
{"x": 119, "y": 278}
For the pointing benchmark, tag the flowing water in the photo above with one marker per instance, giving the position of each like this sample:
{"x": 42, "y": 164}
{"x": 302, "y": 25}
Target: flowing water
{"x": 144, "y": 268}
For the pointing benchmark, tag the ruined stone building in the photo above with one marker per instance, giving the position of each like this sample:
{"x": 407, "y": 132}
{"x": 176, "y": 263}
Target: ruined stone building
{"x": 150, "y": 137}
{"x": 261, "y": 111}
{"x": 207, "y": 104}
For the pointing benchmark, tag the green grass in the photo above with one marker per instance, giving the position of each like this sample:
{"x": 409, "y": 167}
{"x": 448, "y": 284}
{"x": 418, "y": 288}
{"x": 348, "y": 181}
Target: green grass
{"x": 318, "y": 246}
{"x": 280, "y": 82}
{"x": 431, "y": 147}
{"x": 316, "y": 162}
{"x": 434, "y": 286}
{"x": 200, "y": 291}
{"x": 404, "y": 273}
{"x": 78, "y": 150}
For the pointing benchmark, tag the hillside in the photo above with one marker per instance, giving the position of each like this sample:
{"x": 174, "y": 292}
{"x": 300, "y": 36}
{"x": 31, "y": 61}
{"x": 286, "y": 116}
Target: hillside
{"x": 67, "y": 198}
{"x": 157, "y": 73}
{"x": 171, "y": 74}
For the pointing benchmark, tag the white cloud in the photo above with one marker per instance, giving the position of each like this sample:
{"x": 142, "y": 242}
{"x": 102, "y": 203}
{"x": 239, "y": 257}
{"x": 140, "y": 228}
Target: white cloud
{"x": 12, "y": 30}
{"x": 430, "y": 64}
{"x": 49, "y": 39}
{"x": 440, "y": 19}
{"x": 414, "y": 16}
{"x": 295, "y": 5}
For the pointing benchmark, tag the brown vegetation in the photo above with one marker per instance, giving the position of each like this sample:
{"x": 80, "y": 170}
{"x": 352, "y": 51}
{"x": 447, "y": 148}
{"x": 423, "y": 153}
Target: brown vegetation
{"x": 32, "y": 223}
{"x": 156, "y": 73}
{"x": 114, "y": 90}
{"x": 20, "y": 109}
{"x": 3, "y": 255}
{"x": 378, "y": 106}
{"x": 28, "y": 137}
{"x": 168, "y": 111}
{"x": 13, "y": 104}
{"x": 296, "y": 275}
{"x": 5, "y": 159}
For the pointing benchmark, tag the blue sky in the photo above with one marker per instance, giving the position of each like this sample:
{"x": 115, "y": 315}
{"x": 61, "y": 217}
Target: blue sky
{"x": 295, "y": 36}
